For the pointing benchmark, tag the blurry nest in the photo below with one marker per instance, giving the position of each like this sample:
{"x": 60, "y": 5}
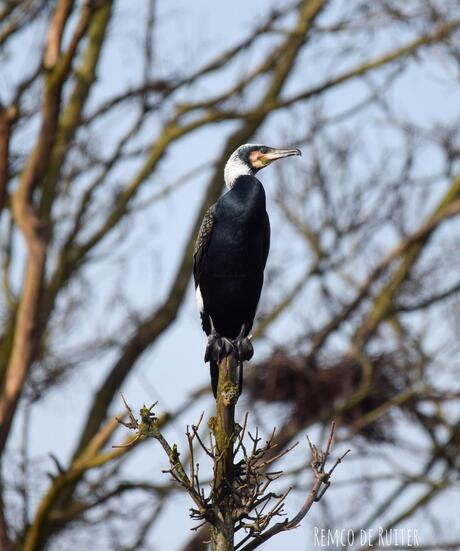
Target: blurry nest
{"x": 315, "y": 392}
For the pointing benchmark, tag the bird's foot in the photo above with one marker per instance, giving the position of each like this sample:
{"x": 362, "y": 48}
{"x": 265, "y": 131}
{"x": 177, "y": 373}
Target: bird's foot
{"x": 244, "y": 348}
{"x": 220, "y": 347}
{"x": 243, "y": 345}
{"x": 217, "y": 348}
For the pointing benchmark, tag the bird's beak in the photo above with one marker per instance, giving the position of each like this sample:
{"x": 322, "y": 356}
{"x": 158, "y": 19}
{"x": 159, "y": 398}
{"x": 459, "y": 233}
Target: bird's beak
{"x": 276, "y": 154}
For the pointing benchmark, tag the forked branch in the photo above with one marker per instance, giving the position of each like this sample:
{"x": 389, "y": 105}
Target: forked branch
{"x": 321, "y": 483}
{"x": 250, "y": 504}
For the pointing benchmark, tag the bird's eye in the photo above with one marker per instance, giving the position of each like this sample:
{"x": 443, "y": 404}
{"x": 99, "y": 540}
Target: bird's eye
{"x": 263, "y": 150}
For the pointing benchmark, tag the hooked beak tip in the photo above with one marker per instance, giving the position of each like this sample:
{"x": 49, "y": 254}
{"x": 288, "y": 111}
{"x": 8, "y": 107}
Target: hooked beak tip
{"x": 282, "y": 153}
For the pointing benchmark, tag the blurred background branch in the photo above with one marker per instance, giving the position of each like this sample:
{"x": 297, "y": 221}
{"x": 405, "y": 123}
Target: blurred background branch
{"x": 116, "y": 121}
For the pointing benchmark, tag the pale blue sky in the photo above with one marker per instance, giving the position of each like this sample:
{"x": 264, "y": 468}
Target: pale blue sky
{"x": 174, "y": 366}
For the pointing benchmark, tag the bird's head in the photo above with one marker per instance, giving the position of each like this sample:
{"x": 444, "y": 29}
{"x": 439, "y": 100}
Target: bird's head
{"x": 250, "y": 158}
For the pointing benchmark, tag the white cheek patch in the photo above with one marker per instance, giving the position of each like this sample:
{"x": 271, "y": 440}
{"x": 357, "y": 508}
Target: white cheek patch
{"x": 235, "y": 168}
{"x": 199, "y": 299}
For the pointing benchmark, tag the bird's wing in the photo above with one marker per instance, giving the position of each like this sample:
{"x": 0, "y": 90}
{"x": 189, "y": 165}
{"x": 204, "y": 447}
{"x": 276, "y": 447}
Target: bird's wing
{"x": 201, "y": 244}
{"x": 266, "y": 238}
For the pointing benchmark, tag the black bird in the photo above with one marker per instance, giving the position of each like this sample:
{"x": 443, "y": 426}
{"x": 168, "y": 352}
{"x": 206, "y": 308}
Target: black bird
{"x": 230, "y": 256}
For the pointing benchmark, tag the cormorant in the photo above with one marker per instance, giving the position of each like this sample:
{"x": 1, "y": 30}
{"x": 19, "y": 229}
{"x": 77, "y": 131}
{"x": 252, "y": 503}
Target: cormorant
{"x": 230, "y": 256}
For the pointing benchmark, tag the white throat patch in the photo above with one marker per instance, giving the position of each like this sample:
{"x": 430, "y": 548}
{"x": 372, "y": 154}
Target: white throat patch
{"x": 234, "y": 168}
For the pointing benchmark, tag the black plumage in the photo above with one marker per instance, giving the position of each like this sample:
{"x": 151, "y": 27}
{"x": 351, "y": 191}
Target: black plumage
{"x": 230, "y": 256}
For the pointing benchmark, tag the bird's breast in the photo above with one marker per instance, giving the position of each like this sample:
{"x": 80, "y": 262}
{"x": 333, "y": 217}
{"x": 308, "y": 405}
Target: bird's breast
{"x": 237, "y": 243}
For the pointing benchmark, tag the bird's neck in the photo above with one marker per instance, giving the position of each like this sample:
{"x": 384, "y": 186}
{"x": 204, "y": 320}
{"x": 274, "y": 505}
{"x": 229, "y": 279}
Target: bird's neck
{"x": 234, "y": 168}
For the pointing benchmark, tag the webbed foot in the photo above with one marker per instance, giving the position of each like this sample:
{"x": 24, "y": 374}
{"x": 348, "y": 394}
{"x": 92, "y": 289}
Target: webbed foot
{"x": 218, "y": 347}
{"x": 243, "y": 345}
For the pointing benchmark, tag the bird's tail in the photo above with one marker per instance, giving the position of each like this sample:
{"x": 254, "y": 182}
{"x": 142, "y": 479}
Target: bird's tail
{"x": 214, "y": 368}
{"x": 240, "y": 378}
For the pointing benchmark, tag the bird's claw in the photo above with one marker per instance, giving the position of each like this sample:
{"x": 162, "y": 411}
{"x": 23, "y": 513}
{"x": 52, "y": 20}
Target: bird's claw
{"x": 218, "y": 348}
{"x": 244, "y": 349}
{"x": 243, "y": 345}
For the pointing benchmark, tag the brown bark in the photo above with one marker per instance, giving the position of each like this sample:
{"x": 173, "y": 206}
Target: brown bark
{"x": 222, "y": 535}
{"x": 7, "y": 117}
{"x": 26, "y": 339}
{"x": 28, "y": 328}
